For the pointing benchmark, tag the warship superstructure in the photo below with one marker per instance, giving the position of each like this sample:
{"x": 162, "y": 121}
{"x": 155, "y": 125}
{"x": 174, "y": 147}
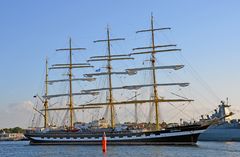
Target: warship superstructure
{"x": 226, "y": 130}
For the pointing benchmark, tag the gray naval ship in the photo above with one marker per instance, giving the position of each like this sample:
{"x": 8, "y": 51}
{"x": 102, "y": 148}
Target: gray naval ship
{"x": 226, "y": 130}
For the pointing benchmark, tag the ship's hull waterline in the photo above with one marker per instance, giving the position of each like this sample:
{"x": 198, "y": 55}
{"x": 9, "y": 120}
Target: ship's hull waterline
{"x": 187, "y": 137}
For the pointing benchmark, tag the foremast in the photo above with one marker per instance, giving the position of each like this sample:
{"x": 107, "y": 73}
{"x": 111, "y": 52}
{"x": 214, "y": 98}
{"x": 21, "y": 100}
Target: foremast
{"x": 44, "y": 99}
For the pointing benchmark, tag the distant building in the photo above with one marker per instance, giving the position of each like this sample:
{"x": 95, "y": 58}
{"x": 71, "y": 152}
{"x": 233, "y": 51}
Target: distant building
{"x": 10, "y": 136}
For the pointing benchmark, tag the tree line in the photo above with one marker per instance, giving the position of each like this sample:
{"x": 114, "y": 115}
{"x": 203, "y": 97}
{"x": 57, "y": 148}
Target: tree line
{"x": 13, "y": 130}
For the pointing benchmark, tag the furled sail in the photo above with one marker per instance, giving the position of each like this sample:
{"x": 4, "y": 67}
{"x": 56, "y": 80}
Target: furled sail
{"x": 138, "y": 102}
{"x": 135, "y": 87}
{"x": 73, "y": 67}
{"x": 73, "y": 94}
{"x": 120, "y": 55}
{"x": 112, "y": 73}
{"x": 74, "y": 108}
{"x": 156, "y": 51}
{"x": 76, "y": 79}
{"x": 157, "y": 46}
{"x": 110, "y": 59}
{"x": 174, "y": 67}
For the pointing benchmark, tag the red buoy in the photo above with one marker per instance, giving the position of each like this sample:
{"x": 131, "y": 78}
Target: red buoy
{"x": 104, "y": 142}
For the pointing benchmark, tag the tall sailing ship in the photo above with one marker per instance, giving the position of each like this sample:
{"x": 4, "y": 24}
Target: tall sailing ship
{"x": 80, "y": 133}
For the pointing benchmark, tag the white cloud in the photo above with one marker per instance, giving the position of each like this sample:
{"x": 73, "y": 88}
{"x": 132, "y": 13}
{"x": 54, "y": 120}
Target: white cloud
{"x": 16, "y": 114}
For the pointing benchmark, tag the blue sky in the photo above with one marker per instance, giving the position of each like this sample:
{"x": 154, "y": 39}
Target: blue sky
{"x": 207, "y": 31}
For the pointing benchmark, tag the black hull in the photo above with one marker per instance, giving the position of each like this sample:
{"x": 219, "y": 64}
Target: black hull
{"x": 187, "y": 135}
{"x": 176, "y": 140}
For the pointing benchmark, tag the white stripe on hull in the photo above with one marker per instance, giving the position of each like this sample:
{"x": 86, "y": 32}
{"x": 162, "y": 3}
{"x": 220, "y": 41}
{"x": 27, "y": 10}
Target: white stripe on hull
{"x": 114, "y": 143}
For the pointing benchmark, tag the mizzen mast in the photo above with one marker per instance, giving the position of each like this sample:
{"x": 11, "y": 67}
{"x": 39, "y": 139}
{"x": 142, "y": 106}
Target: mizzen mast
{"x": 153, "y": 51}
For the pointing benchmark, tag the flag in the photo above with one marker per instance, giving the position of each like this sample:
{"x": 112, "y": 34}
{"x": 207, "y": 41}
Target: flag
{"x": 98, "y": 70}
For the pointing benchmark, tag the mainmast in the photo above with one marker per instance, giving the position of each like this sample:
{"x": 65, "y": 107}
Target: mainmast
{"x": 154, "y": 76}
{"x": 109, "y": 57}
{"x": 109, "y": 68}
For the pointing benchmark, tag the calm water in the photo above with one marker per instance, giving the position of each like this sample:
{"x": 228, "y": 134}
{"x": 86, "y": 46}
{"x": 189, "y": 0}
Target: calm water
{"x": 204, "y": 149}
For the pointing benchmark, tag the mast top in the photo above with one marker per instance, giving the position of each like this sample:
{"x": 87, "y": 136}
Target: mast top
{"x": 70, "y": 47}
{"x": 108, "y": 39}
{"x": 152, "y": 29}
